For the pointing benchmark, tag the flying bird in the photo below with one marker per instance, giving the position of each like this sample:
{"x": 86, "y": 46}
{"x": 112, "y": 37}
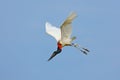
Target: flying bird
{"x": 63, "y": 35}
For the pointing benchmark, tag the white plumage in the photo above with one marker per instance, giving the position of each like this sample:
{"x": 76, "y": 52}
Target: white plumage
{"x": 63, "y": 35}
{"x": 53, "y": 31}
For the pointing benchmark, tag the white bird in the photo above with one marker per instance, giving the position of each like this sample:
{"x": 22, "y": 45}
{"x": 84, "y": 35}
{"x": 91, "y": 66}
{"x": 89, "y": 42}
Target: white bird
{"x": 63, "y": 35}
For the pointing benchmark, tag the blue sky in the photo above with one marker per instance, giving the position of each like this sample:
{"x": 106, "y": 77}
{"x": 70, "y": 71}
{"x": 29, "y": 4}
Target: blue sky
{"x": 25, "y": 47}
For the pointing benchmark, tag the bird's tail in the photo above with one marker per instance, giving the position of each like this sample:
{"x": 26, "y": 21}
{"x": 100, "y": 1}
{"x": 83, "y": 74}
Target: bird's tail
{"x": 73, "y": 38}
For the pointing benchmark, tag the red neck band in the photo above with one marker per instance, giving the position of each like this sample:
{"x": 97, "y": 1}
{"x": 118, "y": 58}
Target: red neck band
{"x": 59, "y": 45}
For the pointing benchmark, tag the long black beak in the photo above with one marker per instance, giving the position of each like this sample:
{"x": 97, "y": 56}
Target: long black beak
{"x": 55, "y": 53}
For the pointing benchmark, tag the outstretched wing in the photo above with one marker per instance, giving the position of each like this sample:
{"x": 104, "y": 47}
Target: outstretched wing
{"x": 53, "y": 31}
{"x": 66, "y": 27}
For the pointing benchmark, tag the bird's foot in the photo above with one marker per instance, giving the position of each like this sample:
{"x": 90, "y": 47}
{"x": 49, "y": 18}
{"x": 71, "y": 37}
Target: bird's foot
{"x": 84, "y": 52}
{"x": 86, "y": 49}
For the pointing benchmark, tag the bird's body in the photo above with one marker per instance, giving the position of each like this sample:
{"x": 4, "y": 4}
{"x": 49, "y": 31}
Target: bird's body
{"x": 62, "y": 34}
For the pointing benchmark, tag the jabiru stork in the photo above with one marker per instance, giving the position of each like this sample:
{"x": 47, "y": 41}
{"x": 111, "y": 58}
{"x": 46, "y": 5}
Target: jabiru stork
{"x": 63, "y": 35}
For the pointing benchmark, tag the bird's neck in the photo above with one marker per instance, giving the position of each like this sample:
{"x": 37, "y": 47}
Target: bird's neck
{"x": 59, "y": 45}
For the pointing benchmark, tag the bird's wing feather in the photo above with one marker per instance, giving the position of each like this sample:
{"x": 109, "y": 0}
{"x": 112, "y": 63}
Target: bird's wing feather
{"x": 53, "y": 31}
{"x": 66, "y": 27}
